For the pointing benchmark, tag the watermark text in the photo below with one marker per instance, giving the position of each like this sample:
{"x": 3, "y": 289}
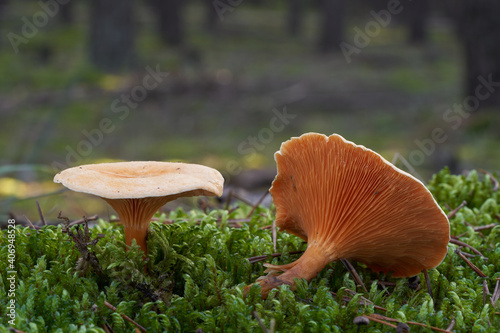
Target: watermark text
{"x": 11, "y": 271}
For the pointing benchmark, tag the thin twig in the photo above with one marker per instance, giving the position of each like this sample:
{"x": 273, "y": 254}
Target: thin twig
{"x": 84, "y": 220}
{"x": 465, "y": 233}
{"x": 379, "y": 321}
{"x": 428, "y": 282}
{"x": 354, "y": 273}
{"x": 382, "y": 317}
{"x": 384, "y": 283}
{"x": 274, "y": 234}
{"x": 470, "y": 264}
{"x": 452, "y": 324}
{"x": 454, "y": 212}
{"x": 258, "y": 203}
{"x": 43, "y": 195}
{"x": 493, "y": 179}
{"x": 484, "y": 227}
{"x": 385, "y": 286}
{"x": 486, "y": 291}
{"x": 362, "y": 301}
{"x": 261, "y": 323}
{"x": 272, "y": 325}
{"x": 15, "y": 330}
{"x": 31, "y": 224}
{"x": 127, "y": 318}
{"x": 253, "y": 260}
{"x": 457, "y": 242}
{"x": 240, "y": 198}
{"x": 107, "y": 328}
{"x": 239, "y": 220}
{"x": 229, "y": 211}
{"x": 40, "y": 213}
{"x": 202, "y": 205}
{"x": 469, "y": 255}
{"x": 228, "y": 200}
{"x": 496, "y": 293}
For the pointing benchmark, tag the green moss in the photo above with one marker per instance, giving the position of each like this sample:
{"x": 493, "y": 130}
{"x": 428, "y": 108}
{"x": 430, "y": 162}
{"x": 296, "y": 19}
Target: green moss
{"x": 197, "y": 268}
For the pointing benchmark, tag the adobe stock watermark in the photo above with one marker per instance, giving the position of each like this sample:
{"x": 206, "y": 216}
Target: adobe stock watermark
{"x": 32, "y": 25}
{"x": 11, "y": 272}
{"x": 453, "y": 116}
{"x": 221, "y": 7}
{"x": 120, "y": 107}
{"x": 363, "y": 37}
{"x": 255, "y": 143}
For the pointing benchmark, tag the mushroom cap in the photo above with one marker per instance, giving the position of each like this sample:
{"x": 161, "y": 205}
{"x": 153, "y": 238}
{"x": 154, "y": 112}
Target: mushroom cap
{"x": 361, "y": 320}
{"x": 134, "y": 180}
{"x": 402, "y": 328}
{"x": 354, "y": 204}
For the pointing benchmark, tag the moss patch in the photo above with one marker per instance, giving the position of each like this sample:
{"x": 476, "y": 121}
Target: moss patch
{"x": 197, "y": 268}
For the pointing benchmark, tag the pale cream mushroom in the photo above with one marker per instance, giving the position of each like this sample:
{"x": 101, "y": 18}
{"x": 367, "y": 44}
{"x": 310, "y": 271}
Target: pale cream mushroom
{"x": 136, "y": 190}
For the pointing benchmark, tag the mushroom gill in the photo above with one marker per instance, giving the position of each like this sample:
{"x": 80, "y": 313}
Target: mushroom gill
{"x": 347, "y": 201}
{"x": 135, "y": 215}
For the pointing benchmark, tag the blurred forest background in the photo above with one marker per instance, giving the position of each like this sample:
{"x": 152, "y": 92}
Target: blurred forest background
{"x": 224, "y": 82}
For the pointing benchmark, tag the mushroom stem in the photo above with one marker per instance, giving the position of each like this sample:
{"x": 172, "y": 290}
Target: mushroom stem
{"x": 306, "y": 267}
{"x": 135, "y": 215}
{"x": 139, "y": 233}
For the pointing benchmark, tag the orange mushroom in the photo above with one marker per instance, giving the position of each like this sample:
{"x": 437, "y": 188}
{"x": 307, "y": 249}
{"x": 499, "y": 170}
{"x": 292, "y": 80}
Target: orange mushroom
{"x": 346, "y": 201}
{"x": 136, "y": 190}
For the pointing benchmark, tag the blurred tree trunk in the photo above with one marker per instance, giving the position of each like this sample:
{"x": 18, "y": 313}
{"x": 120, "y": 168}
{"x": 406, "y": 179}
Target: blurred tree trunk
{"x": 295, "y": 13}
{"x": 332, "y": 25}
{"x": 66, "y": 14}
{"x": 211, "y": 16}
{"x": 111, "y": 34}
{"x": 479, "y": 27}
{"x": 419, "y": 12}
{"x": 3, "y": 7}
{"x": 169, "y": 20}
